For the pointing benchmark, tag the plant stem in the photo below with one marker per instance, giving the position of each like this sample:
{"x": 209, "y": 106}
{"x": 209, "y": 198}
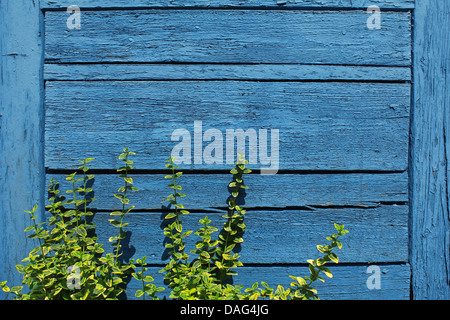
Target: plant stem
{"x": 143, "y": 282}
{"x": 76, "y": 209}
{"x": 123, "y": 212}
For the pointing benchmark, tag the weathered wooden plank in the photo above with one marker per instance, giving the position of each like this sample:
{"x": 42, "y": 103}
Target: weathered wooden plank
{"x": 342, "y": 126}
{"x": 21, "y": 130}
{"x": 348, "y": 283}
{"x": 224, "y": 72}
{"x": 430, "y": 238}
{"x": 210, "y": 191}
{"x": 279, "y": 236}
{"x": 341, "y": 4}
{"x": 230, "y": 36}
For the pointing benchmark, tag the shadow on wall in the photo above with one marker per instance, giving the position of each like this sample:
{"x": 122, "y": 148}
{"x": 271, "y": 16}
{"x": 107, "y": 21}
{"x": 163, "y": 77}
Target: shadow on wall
{"x": 240, "y": 200}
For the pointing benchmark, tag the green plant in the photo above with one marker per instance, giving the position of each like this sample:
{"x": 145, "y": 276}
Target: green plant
{"x": 70, "y": 263}
{"x": 206, "y": 276}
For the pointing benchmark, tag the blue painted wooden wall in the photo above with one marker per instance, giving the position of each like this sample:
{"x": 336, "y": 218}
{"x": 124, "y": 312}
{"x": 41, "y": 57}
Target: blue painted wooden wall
{"x": 361, "y": 112}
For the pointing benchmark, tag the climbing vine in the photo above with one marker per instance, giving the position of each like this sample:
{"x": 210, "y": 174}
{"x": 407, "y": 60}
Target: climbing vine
{"x": 69, "y": 263}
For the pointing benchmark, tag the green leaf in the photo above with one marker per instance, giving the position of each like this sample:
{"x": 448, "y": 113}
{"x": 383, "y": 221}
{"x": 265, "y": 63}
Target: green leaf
{"x": 227, "y": 256}
{"x": 139, "y": 293}
{"x": 171, "y": 215}
{"x": 312, "y": 290}
{"x": 312, "y": 262}
{"x": 265, "y": 285}
{"x": 238, "y": 240}
{"x": 229, "y": 248}
{"x": 300, "y": 280}
{"x": 205, "y": 254}
{"x": 99, "y": 250}
{"x": 16, "y": 290}
{"x": 111, "y": 239}
{"x": 34, "y": 208}
{"x": 29, "y": 228}
{"x": 185, "y": 234}
{"x": 70, "y": 213}
{"x": 128, "y": 180}
{"x": 115, "y": 223}
{"x": 323, "y": 249}
{"x": 196, "y": 264}
{"x": 333, "y": 257}
{"x": 137, "y": 276}
{"x": 119, "y": 196}
{"x": 4, "y": 287}
{"x": 129, "y": 209}
{"x": 327, "y": 272}
{"x": 35, "y": 250}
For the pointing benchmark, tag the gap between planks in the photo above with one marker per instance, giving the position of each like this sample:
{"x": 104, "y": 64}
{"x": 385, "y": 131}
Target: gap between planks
{"x": 254, "y": 8}
{"x": 256, "y": 72}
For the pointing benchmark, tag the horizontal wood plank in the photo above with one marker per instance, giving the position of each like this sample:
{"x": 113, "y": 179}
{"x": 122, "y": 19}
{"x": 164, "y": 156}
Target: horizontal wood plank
{"x": 385, "y": 4}
{"x": 322, "y": 126}
{"x": 230, "y": 36}
{"x": 277, "y": 236}
{"x": 348, "y": 283}
{"x": 210, "y": 191}
{"x": 272, "y": 72}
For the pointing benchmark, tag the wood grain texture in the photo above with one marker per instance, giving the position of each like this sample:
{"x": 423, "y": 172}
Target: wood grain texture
{"x": 274, "y": 72}
{"x": 338, "y": 92}
{"x": 329, "y": 126}
{"x": 431, "y": 152}
{"x": 21, "y": 149}
{"x": 210, "y": 191}
{"x": 230, "y": 36}
{"x": 385, "y": 4}
{"x": 348, "y": 282}
{"x": 376, "y": 235}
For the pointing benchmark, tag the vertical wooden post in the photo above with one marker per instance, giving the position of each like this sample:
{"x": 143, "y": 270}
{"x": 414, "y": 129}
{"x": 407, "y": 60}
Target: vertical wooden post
{"x": 430, "y": 152}
{"x": 21, "y": 128}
